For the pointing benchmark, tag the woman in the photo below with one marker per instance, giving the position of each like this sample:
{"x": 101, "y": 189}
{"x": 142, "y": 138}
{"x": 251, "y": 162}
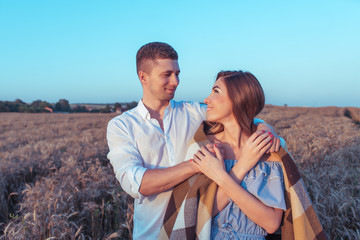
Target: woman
{"x": 255, "y": 207}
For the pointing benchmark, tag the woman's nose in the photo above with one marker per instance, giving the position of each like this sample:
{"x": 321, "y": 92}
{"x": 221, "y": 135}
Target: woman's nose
{"x": 206, "y": 100}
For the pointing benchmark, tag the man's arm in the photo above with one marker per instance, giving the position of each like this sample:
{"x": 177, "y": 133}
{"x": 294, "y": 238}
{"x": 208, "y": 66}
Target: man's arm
{"x": 129, "y": 168}
{"x": 159, "y": 180}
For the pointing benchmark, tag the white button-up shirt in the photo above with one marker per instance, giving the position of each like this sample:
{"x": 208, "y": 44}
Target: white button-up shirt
{"x": 137, "y": 143}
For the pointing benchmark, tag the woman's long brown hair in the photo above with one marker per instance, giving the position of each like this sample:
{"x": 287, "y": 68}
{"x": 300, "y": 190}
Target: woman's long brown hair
{"x": 247, "y": 97}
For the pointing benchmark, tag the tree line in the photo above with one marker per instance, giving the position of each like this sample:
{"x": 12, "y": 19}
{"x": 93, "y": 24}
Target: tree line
{"x": 62, "y": 105}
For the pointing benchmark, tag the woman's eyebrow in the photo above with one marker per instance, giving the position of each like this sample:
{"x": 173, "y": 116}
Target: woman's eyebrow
{"x": 216, "y": 87}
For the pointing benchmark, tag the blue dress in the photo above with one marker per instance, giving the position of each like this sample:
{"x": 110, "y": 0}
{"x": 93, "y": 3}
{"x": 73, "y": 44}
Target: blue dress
{"x": 266, "y": 182}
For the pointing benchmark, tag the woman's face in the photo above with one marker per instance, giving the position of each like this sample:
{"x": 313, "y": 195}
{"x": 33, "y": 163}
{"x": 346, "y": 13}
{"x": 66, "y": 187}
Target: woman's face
{"x": 219, "y": 106}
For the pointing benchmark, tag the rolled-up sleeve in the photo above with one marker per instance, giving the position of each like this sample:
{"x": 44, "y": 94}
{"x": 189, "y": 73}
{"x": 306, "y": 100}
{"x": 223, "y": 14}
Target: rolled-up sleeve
{"x": 283, "y": 143}
{"x": 257, "y": 121}
{"x": 125, "y": 158}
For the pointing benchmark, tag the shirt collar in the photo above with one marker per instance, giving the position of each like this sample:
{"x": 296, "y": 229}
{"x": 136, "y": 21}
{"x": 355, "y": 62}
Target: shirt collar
{"x": 144, "y": 113}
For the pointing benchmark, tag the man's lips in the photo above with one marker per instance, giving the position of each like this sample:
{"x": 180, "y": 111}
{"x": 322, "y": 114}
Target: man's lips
{"x": 171, "y": 89}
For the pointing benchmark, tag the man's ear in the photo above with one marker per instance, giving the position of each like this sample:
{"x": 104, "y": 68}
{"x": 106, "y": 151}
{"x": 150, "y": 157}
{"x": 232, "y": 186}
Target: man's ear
{"x": 143, "y": 77}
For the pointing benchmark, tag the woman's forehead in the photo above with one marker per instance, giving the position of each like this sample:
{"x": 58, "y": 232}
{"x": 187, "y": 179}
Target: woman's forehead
{"x": 220, "y": 83}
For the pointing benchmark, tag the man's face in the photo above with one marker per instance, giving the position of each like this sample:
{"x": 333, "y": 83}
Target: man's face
{"x": 163, "y": 79}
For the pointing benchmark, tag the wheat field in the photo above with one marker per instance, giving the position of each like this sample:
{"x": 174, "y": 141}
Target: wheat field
{"x": 56, "y": 182}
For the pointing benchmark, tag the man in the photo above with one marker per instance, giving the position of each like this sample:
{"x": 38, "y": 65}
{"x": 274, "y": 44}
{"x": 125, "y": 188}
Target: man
{"x": 148, "y": 143}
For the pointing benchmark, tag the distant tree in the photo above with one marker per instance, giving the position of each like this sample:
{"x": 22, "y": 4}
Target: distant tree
{"x": 39, "y": 106}
{"x": 4, "y": 107}
{"x": 7, "y": 106}
{"x": 106, "y": 109}
{"x": 20, "y": 105}
{"x": 62, "y": 106}
{"x": 79, "y": 108}
{"x": 20, "y": 102}
{"x": 117, "y": 105}
{"x": 131, "y": 105}
{"x": 23, "y": 108}
{"x": 118, "y": 108}
{"x": 95, "y": 110}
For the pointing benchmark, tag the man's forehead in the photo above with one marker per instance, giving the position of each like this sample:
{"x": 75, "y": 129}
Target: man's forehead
{"x": 166, "y": 63}
{"x": 164, "y": 60}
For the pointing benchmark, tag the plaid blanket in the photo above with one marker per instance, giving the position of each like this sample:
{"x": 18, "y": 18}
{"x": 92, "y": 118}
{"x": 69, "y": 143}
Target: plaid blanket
{"x": 300, "y": 220}
{"x": 188, "y": 215}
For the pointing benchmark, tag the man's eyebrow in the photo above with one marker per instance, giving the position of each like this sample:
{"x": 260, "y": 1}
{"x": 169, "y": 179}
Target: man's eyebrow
{"x": 170, "y": 71}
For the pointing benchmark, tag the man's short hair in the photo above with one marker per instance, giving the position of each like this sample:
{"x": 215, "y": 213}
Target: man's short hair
{"x": 153, "y": 51}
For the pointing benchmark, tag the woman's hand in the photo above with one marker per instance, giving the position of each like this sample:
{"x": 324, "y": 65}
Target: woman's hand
{"x": 210, "y": 165}
{"x": 257, "y": 144}
{"x": 211, "y": 148}
{"x": 275, "y": 145}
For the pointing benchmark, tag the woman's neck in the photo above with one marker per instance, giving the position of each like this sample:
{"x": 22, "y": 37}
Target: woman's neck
{"x": 231, "y": 139}
{"x": 233, "y": 134}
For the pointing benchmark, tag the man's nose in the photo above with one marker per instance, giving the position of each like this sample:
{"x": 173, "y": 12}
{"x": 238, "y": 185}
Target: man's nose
{"x": 174, "y": 80}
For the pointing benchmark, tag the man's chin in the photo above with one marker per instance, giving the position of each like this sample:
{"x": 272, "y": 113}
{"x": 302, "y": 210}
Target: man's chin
{"x": 169, "y": 96}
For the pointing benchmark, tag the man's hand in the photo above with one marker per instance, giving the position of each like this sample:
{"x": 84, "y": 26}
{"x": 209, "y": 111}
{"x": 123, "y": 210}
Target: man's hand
{"x": 276, "y": 141}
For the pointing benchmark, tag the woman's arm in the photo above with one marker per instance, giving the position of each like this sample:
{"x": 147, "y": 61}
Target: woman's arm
{"x": 251, "y": 152}
{"x": 267, "y": 217}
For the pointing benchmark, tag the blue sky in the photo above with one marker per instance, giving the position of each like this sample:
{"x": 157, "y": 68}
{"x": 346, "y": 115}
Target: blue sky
{"x": 304, "y": 53}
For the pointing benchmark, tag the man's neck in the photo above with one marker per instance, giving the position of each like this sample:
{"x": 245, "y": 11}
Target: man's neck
{"x": 156, "y": 108}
